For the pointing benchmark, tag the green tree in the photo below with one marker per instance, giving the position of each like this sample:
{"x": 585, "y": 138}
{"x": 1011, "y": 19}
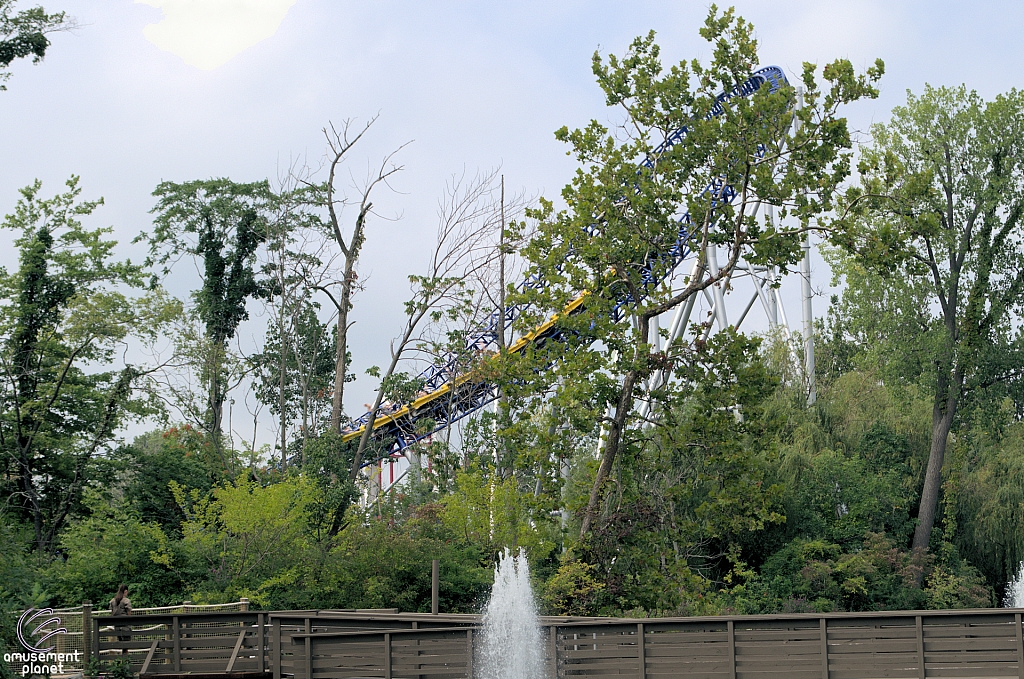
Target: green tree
{"x": 327, "y": 463}
{"x": 23, "y": 34}
{"x": 112, "y": 545}
{"x": 622, "y": 216}
{"x": 66, "y": 314}
{"x": 296, "y": 372}
{"x": 244, "y": 534}
{"x": 221, "y": 224}
{"x": 817, "y": 575}
{"x": 689, "y": 496}
{"x": 983, "y": 500}
{"x": 147, "y": 467}
{"x": 938, "y": 218}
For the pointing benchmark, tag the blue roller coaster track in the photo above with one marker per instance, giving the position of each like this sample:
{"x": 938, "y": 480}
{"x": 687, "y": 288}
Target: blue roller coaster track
{"x": 449, "y": 394}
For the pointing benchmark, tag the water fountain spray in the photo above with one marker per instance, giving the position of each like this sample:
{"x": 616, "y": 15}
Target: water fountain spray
{"x": 511, "y": 646}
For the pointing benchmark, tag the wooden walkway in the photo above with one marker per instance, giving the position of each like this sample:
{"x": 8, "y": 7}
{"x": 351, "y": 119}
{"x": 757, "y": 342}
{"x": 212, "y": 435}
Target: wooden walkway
{"x": 347, "y": 645}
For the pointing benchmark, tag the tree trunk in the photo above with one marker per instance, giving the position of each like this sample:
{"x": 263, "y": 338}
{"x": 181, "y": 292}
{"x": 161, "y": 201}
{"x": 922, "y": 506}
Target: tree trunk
{"x": 611, "y": 449}
{"x": 305, "y": 418}
{"x": 340, "y": 366}
{"x": 942, "y": 421}
{"x": 339, "y": 374}
{"x": 216, "y": 402}
{"x": 281, "y": 401}
{"x": 29, "y": 489}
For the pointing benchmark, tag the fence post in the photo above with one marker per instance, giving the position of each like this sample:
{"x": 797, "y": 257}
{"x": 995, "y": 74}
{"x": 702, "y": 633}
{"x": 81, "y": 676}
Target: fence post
{"x": 87, "y": 634}
{"x": 176, "y": 635}
{"x": 275, "y": 659}
{"x": 387, "y": 657}
{"x": 641, "y": 651}
{"x": 469, "y": 651}
{"x": 554, "y": 651}
{"x": 920, "y": 646}
{"x": 243, "y": 605}
{"x": 1020, "y": 645}
{"x": 824, "y": 648}
{"x": 96, "y": 644}
{"x": 309, "y": 649}
{"x": 731, "y": 627}
{"x": 435, "y": 585}
{"x": 261, "y": 642}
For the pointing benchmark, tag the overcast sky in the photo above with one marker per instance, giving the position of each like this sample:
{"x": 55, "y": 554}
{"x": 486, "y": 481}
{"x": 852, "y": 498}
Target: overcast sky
{"x": 188, "y": 89}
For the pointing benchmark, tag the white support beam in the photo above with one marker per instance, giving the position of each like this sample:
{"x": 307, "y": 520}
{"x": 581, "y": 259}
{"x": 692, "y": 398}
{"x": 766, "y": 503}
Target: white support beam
{"x": 806, "y": 294}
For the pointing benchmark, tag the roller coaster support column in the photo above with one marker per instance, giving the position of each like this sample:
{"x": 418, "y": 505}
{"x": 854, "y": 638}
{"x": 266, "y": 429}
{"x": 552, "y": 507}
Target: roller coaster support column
{"x": 772, "y": 301}
{"x": 808, "y": 311}
{"x": 812, "y": 387}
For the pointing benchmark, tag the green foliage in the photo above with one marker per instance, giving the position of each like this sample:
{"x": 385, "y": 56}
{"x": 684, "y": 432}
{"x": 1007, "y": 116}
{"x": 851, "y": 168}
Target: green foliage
{"x": 984, "y": 501}
{"x": 242, "y": 532}
{"x": 179, "y": 454}
{"x": 386, "y": 563}
{"x": 19, "y": 575}
{"x": 933, "y": 232}
{"x": 66, "y": 311}
{"x": 111, "y": 546}
{"x": 573, "y": 589}
{"x": 296, "y": 368}
{"x": 694, "y": 490}
{"x": 121, "y": 668}
{"x": 327, "y": 462}
{"x": 817, "y": 575}
{"x": 492, "y": 512}
{"x": 220, "y": 223}
{"x": 23, "y": 34}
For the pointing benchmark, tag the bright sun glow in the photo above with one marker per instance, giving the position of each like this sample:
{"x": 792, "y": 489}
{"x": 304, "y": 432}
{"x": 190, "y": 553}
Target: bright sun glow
{"x": 208, "y": 33}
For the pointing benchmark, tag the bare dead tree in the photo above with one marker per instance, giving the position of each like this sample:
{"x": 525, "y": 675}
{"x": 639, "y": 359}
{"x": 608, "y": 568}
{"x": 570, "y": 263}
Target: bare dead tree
{"x": 340, "y": 141}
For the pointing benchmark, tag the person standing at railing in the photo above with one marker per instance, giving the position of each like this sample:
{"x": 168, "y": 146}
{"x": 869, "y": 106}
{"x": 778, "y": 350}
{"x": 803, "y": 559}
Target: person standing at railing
{"x": 121, "y": 606}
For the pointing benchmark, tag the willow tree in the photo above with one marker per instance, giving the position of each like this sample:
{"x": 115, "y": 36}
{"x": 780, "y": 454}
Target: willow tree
{"x": 624, "y": 203}
{"x": 938, "y": 219}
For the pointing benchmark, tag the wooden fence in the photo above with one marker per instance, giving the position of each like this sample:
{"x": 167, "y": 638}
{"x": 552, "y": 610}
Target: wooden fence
{"x": 333, "y": 645}
{"x": 174, "y": 644}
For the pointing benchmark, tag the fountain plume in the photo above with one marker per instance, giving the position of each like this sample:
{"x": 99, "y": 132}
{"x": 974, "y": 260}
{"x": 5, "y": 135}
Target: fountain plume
{"x": 511, "y": 646}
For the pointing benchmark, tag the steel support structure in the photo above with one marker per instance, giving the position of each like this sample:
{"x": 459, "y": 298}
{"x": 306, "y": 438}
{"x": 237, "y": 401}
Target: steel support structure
{"x": 451, "y": 393}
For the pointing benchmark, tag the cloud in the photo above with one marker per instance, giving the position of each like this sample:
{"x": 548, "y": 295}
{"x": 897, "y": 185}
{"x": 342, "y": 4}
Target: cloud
{"x": 209, "y": 33}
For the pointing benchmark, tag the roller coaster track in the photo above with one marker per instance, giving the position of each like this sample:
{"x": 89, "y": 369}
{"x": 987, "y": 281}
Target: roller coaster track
{"x": 449, "y": 393}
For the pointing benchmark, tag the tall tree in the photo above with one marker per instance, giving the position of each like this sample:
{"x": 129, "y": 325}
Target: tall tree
{"x": 23, "y": 34}
{"x": 291, "y": 367}
{"x": 66, "y": 311}
{"x": 221, "y": 224}
{"x": 622, "y": 216}
{"x": 297, "y": 372}
{"x": 334, "y": 200}
{"x": 939, "y": 215}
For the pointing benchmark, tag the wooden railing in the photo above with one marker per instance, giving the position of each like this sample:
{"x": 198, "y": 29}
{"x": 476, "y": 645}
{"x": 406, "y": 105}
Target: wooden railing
{"x": 332, "y": 645}
{"x": 908, "y": 644}
{"x": 202, "y": 643}
{"x": 240, "y": 643}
